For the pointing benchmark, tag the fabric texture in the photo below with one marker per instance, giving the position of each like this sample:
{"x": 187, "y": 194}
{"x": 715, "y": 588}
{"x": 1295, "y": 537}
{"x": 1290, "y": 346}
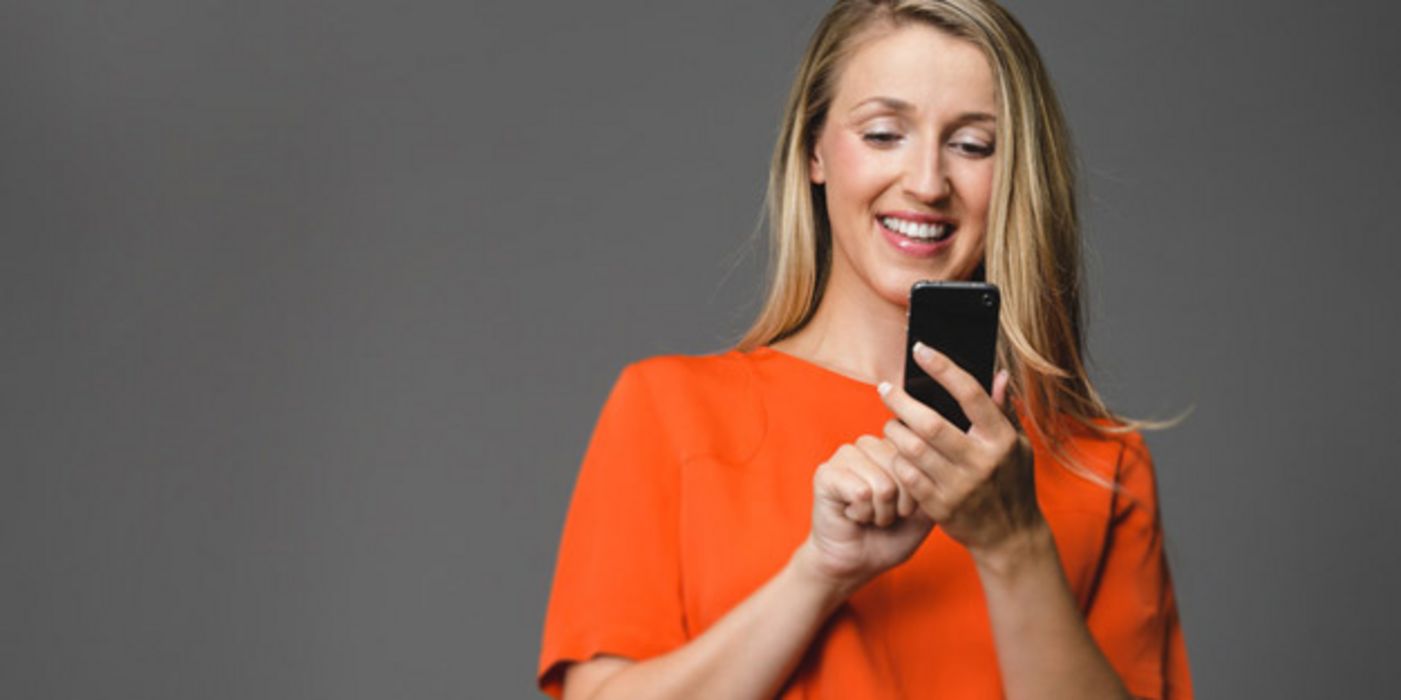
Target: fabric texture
{"x": 696, "y": 488}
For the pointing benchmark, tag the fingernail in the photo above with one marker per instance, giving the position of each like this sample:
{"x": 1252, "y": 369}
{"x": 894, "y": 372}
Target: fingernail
{"x": 883, "y": 388}
{"x": 922, "y": 351}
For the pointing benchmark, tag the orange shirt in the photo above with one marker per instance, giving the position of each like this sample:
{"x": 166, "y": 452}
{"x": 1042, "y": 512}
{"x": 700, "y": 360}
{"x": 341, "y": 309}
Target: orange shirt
{"x": 696, "y": 488}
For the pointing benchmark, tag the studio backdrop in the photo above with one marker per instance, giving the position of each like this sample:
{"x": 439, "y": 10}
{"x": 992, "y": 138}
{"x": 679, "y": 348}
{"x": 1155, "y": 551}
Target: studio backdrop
{"x": 307, "y": 310}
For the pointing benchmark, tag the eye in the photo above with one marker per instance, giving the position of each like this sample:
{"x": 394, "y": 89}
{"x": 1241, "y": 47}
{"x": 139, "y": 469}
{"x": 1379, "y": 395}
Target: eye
{"x": 881, "y": 137}
{"x": 977, "y": 149}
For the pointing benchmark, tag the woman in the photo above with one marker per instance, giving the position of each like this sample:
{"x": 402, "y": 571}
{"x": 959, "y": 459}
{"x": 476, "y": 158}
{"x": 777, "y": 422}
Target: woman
{"x": 761, "y": 521}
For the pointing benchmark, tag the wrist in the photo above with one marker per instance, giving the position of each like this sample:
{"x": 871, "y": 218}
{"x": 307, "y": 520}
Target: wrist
{"x": 1016, "y": 552}
{"x": 805, "y": 569}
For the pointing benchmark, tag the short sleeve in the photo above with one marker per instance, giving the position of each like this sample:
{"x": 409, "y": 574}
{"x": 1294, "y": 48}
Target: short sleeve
{"x": 616, "y": 586}
{"x": 1133, "y": 614}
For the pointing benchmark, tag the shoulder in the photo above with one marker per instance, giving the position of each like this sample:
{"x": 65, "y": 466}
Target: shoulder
{"x": 717, "y": 371}
{"x": 1107, "y": 453}
{"x": 1125, "y": 449}
{"x": 1105, "y": 447}
{"x": 707, "y": 403}
{"x": 1123, "y": 458}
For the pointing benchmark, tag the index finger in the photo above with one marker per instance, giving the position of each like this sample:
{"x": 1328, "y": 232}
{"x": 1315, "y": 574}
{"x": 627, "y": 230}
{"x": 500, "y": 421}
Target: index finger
{"x": 884, "y": 454}
{"x": 965, "y": 389}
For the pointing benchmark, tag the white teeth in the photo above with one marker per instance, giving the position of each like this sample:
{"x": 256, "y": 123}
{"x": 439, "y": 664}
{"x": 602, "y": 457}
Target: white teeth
{"x": 914, "y": 230}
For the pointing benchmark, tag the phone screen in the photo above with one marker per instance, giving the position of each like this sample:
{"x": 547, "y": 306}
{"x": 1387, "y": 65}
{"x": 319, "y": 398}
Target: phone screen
{"x": 958, "y": 319}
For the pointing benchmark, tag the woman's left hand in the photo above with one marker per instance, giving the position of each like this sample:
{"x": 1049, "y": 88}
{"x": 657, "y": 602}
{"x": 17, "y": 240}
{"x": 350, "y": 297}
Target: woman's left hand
{"x": 979, "y": 485}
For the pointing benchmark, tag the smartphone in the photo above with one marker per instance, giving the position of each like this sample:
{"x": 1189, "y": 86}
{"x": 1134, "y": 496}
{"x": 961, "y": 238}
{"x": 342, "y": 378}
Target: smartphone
{"x": 959, "y": 319}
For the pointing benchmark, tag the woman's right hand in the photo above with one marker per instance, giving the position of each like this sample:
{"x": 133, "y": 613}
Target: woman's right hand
{"x": 863, "y": 520}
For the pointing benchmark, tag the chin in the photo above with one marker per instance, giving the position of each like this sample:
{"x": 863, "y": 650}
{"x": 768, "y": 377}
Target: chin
{"x": 896, "y": 290}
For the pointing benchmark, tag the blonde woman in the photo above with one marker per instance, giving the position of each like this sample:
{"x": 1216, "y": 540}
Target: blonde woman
{"x": 781, "y": 519}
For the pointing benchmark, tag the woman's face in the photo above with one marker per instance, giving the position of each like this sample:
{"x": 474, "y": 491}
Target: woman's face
{"x": 906, "y": 158}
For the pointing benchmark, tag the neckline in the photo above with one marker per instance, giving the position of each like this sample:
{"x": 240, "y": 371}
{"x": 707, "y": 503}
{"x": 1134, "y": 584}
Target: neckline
{"x": 814, "y": 367}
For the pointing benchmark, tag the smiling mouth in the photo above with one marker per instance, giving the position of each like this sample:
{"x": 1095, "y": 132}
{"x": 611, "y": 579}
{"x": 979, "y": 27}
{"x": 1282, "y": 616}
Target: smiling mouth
{"x": 923, "y": 232}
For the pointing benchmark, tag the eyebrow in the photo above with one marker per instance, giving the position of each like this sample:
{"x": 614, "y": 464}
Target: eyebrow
{"x": 899, "y": 105}
{"x": 892, "y": 103}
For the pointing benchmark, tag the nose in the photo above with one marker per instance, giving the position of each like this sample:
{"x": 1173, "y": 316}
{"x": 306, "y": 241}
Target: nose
{"x": 925, "y": 178}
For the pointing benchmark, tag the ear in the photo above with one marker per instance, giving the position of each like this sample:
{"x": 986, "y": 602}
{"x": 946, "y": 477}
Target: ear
{"x": 816, "y": 173}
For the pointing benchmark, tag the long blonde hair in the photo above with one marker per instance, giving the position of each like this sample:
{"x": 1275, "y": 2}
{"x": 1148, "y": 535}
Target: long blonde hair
{"x": 1032, "y": 244}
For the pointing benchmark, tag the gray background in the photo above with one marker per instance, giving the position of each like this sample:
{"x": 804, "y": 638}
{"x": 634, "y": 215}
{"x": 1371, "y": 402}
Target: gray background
{"x": 308, "y": 310}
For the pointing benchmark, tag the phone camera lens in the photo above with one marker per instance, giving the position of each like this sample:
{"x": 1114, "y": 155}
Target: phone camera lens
{"x": 987, "y": 300}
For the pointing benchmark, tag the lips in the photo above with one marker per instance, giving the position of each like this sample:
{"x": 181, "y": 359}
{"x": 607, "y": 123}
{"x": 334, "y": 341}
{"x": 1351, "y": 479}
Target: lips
{"x": 916, "y": 217}
{"x": 922, "y": 231}
{"x": 917, "y": 235}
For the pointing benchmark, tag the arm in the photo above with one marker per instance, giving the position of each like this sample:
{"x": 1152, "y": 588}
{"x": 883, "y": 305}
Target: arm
{"x": 1133, "y": 612}
{"x": 862, "y": 524}
{"x": 617, "y": 582}
{"x": 980, "y": 487}
{"x": 1044, "y": 649}
{"x": 748, "y": 653}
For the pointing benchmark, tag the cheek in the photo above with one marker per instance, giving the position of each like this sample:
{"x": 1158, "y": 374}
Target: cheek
{"x": 976, "y": 187}
{"x": 854, "y": 176}
{"x": 975, "y": 190}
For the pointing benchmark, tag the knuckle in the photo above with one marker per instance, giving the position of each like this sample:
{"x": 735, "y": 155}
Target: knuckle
{"x": 965, "y": 391}
{"x": 892, "y": 430}
{"x": 887, "y": 490}
{"x": 917, "y": 446}
{"x": 934, "y": 505}
{"x": 921, "y": 489}
{"x": 931, "y": 426}
{"x": 1012, "y": 448}
{"x": 984, "y": 471}
{"x": 938, "y": 489}
{"x": 1003, "y": 442}
{"x": 983, "y": 457}
{"x": 912, "y": 478}
{"x": 908, "y": 475}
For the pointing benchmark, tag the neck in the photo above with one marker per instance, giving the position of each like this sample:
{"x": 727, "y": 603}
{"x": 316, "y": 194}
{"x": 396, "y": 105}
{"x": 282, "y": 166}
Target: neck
{"x": 854, "y": 331}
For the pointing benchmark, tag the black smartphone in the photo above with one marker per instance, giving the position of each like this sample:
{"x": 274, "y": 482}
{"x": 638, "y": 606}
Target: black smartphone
{"x": 959, "y": 319}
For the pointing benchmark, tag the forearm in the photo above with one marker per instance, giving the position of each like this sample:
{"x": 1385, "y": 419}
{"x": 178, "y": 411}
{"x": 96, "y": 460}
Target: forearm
{"x": 748, "y": 653}
{"x": 1044, "y": 649}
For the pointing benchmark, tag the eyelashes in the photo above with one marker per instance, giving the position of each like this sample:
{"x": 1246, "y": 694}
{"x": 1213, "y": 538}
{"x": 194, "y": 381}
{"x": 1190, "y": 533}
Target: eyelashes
{"x": 888, "y": 138}
{"x": 976, "y": 149}
{"x": 881, "y": 137}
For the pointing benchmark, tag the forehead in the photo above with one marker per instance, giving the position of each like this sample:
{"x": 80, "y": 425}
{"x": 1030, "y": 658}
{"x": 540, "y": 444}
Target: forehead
{"x": 919, "y": 64}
